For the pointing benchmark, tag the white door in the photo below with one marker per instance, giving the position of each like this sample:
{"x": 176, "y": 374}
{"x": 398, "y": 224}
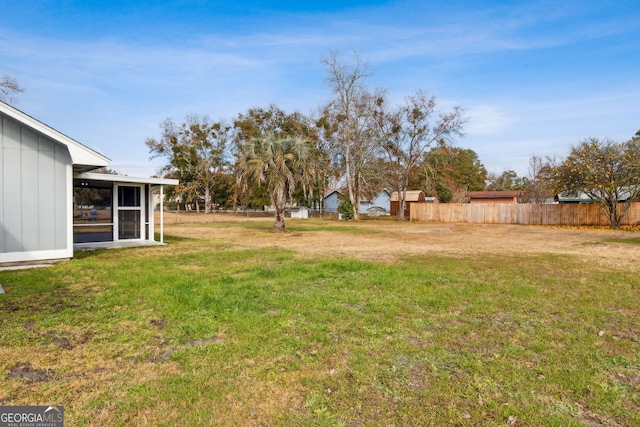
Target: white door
{"x": 129, "y": 218}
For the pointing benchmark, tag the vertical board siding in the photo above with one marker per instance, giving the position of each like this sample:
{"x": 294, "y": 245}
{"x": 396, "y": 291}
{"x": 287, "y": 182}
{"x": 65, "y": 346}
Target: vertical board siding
{"x": 61, "y": 209}
{"x": 11, "y": 195}
{"x": 33, "y": 190}
{"x": 46, "y": 190}
{"x": 2, "y": 231}
{"x": 29, "y": 188}
{"x": 525, "y": 214}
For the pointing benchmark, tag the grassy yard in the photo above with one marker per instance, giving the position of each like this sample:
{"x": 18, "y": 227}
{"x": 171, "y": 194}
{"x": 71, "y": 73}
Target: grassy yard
{"x": 206, "y": 332}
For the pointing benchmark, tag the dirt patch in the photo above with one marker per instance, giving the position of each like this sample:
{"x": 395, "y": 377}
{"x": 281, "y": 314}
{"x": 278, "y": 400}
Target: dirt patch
{"x": 388, "y": 241}
{"x": 193, "y": 343}
{"x": 158, "y": 323}
{"x": 25, "y": 370}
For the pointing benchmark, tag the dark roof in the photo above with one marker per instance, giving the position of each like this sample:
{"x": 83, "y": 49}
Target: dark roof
{"x": 493, "y": 194}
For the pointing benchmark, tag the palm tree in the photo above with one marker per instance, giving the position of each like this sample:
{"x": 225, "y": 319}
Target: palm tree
{"x": 280, "y": 164}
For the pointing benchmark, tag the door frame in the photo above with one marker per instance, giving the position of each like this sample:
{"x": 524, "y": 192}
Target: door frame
{"x": 117, "y": 208}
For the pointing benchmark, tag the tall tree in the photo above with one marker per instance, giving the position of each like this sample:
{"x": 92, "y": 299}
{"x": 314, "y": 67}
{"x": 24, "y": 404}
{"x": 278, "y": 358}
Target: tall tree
{"x": 408, "y": 130}
{"x": 452, "y": 171}
{"x": 9, "y": 87}
{"x": 196, "y": 154}
{"x": 507, "y": 180}
{"x": 606, "y": 171}
{"x": 260, "y": 121}
{"x": 537, "y": 188}
{"x": 348, "y": 126}
{"x": 278, "y": 163}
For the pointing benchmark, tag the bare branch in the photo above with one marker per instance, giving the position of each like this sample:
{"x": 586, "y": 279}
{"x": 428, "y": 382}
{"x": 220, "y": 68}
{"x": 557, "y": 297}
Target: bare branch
{"x": 8, "y": 88}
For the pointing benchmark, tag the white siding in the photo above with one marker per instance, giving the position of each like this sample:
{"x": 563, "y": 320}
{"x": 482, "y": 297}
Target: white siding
{"x": 2, "y": 239}
{"x": 34, "y": 193}
{"x": 29, "y": 188}
{"x": 46, "y": 190}
{"x": 63, "y": 198}
{"x": 331, "y": 202}
{"x": 11, "y": 195}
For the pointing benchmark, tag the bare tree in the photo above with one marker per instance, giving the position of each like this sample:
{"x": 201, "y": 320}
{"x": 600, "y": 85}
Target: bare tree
{"x": 8, "y": 88}
{"x": 537, "y": 188}
{"x": 348, "y": 124}
{"x": 196, "y": 153}
{"x": 408, "y": 130}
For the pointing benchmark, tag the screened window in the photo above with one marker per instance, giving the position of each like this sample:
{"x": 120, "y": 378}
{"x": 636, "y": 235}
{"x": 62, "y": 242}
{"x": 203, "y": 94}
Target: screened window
{"x": 129, "y": 196}
{"x": 92, "y": 211}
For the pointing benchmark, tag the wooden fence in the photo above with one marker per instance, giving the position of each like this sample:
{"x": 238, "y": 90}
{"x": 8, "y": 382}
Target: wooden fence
{"x": 528, "y": 214}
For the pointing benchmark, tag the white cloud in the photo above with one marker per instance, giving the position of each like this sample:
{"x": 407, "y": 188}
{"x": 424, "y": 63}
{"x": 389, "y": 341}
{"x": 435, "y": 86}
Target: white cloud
{"x": 487, "y": 120}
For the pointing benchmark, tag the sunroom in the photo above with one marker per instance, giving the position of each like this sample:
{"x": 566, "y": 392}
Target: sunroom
{"x": 115, "y": 211}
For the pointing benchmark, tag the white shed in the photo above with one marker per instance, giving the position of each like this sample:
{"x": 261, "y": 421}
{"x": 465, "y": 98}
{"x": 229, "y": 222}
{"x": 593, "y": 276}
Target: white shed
{"x": 300, "y": 212}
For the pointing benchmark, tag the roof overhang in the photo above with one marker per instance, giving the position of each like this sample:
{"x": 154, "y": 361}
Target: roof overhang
{"x": 507, "y": 194}
{"x": 126, "y": 179}
{"x": 82, "y": 157}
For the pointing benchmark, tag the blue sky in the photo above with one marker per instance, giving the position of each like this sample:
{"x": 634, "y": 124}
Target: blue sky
{"x": 534, "y": 77}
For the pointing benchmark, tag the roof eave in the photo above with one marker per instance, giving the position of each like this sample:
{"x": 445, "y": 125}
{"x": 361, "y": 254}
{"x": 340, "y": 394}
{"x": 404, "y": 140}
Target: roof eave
{"x": 80, "y": 154}
{"x": 127, "y": 179}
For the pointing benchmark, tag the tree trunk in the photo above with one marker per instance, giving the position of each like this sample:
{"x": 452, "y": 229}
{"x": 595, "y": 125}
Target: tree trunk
{"x": 278, "y": 200}
{"x": 207, "y": 200}
{"x": 613, "y": 215}
{"x": 356, "y": 202}
{"x": 402, "y": 197}
{"x": 350, "y": 183}
{"x": 278, "y": 225}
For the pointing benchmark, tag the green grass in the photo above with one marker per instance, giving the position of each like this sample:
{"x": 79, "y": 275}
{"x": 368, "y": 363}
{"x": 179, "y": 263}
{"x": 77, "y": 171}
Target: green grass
{"x": 633, "y": 240}
{"x": 198, "y": 333}
{"x": 294, "y": 226}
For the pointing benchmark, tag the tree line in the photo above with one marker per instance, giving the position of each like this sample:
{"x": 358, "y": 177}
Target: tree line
{"x": 358, "y": 142}
{"x": 361, "y": 143}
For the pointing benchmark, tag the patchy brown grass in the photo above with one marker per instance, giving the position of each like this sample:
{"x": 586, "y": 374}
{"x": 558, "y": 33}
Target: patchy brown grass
{"x": 389, "y": 240}
{"x": 333, "y": 323}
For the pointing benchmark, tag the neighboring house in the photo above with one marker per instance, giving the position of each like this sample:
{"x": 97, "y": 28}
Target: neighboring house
{"x": 581, "y": 197}
{"x": 300, "y": 212}
{"x": 411, "y": 196}
{"x": 49, "y": 200}
{"x": 375, "y": 211}
{"x": 331, "y": 201}
{"x": 382, "y": 200}
{"x": 494, "y": 197}
{"x": 574, "y": 199}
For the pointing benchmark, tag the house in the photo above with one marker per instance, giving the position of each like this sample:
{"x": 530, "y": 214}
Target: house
{"x": 494, "y": 197}
{"x": 573, "y": 199}
{"x": 411, "y": 196}
{"x": 300, "y": 212}
{"x": 331, "y": 201}
{"x": 50, "y": 199}
{"x": 382, "y": 200}
{"x": 580, "y": 197}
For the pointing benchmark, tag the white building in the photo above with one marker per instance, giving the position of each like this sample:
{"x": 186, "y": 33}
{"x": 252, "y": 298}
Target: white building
{"x": 49, "y": 199}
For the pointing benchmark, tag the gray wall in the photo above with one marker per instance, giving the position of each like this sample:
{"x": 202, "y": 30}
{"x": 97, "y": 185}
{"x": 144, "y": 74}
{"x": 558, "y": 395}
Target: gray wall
{"x": 33, "y": 190}
{"x": 331, "y": 202}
